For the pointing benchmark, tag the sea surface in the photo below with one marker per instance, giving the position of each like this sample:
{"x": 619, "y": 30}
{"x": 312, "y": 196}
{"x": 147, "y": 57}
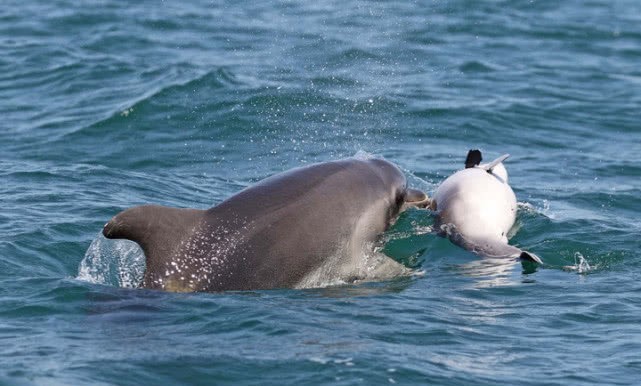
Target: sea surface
{"x": 109, "y": 104}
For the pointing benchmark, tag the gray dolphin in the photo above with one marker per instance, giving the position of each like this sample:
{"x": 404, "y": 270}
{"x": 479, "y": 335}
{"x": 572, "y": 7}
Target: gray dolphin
{"x": 278, "y": 233}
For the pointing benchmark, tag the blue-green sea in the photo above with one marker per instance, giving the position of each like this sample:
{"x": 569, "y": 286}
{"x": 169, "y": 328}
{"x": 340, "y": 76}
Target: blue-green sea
{"x": 110, "y": 104}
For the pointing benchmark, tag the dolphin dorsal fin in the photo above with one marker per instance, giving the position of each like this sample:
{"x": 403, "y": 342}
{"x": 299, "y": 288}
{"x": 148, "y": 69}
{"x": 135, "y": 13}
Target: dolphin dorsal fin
{"x": 474, "y": 158}
{"x": 158, "y": 230}
{"x": 492, "y": 165}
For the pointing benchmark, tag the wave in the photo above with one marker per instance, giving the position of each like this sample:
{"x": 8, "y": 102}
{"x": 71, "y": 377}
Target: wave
{"x": 163, "y": 97}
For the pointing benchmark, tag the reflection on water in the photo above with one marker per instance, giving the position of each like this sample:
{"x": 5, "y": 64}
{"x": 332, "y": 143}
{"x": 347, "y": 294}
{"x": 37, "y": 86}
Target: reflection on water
{"x": 497, "y": 272}
{"x": 364, "y": 289}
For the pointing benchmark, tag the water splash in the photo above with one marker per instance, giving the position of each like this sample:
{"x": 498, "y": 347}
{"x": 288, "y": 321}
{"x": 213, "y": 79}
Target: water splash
{"x": 363, "y": 155}
{"x": 416, "y": 230}
{"x": 581, "y": 265}
{"x": 543, "y": 208}
{"x": 119, "y": 263}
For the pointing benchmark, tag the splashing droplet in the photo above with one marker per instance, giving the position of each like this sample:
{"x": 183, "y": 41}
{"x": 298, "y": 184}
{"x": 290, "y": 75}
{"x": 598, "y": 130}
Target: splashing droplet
{"x": 580, "y": 263}
{"x": 119, "y": 263}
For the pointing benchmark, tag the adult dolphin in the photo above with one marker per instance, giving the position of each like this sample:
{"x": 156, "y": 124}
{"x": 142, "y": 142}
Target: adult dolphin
{"x": 476, "y": 208}
{"x": 285, "y": 231}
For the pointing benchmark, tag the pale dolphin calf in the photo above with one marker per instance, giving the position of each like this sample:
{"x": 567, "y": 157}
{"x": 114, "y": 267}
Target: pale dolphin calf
{"x": 294, "y": 229}
{"x": 476, "y": 208}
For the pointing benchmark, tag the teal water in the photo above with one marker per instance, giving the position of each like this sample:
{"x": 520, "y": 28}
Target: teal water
{"x": 105, "y": 105}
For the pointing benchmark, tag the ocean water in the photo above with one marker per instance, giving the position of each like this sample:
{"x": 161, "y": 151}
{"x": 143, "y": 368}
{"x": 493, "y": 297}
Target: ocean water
{"x": 109, "y": 104}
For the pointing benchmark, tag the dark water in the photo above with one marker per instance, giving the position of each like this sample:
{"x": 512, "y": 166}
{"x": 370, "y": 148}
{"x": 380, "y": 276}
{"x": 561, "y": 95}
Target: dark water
{"x": 105, "y": 105}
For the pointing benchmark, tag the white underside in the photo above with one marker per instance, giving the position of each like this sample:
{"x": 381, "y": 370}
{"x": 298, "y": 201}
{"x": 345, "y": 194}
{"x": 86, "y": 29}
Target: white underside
{"x": 479, "y": 205}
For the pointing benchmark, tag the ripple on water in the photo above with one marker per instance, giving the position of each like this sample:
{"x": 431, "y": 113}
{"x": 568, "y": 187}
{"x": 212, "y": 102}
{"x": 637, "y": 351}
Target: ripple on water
{"x": 114, "y": 105}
